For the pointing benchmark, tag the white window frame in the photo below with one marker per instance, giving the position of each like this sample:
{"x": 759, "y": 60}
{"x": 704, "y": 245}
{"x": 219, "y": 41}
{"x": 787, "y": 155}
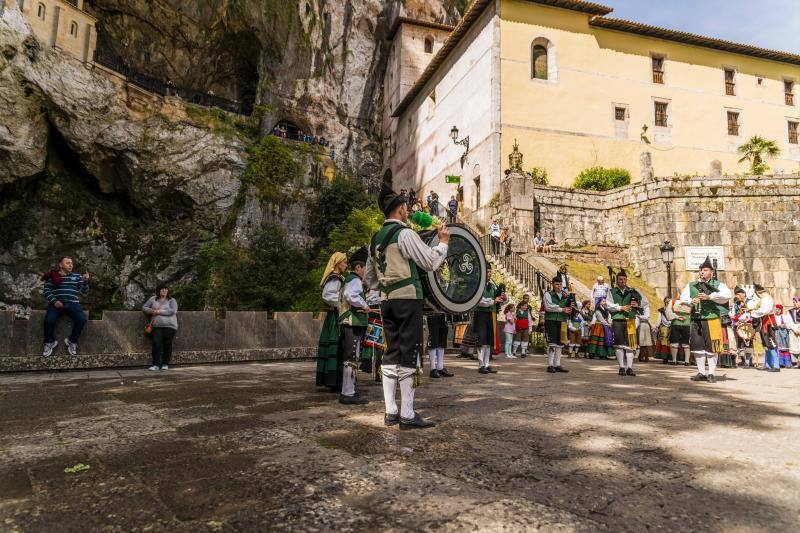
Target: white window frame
{"x": 552, "y": 63}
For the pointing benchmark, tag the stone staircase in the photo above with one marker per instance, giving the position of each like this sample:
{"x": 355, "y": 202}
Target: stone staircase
{"x": 549, "y": 269}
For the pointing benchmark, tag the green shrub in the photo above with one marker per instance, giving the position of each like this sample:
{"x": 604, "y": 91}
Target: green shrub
{"x": 602, "y": 179}
{"x": 271, "y": 167}
{"x": 539, "y": 175}
{"x": 267, "y": 275}
{"x": 333, "y": 205}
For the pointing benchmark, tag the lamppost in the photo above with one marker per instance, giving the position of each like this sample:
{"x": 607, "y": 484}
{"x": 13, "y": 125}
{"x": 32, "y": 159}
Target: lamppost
{"x": 463, "y": 142}
{"x": 668, "y": 255}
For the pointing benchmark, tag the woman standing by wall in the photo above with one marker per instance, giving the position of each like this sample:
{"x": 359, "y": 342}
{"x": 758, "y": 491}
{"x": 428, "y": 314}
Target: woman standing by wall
{"x": 163, "y": 313}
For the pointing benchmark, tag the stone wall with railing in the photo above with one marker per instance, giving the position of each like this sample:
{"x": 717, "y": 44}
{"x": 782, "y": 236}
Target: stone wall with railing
{"x": 118, "y": 340}
{"x": 755, "y": 219}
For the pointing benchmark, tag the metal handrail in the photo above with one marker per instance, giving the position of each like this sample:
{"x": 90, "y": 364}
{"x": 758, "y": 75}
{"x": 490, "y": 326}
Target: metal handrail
{"x": 157, "y": 86}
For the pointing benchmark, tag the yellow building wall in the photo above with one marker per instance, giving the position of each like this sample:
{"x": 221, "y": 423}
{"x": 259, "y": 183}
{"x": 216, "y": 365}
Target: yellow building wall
{"x": 60, "y": 15}
{"x": 567, "y": 124}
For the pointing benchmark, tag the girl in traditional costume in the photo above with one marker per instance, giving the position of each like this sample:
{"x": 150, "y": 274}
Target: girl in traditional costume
{"x": 601, "y": 336}
{"x": 329, "y": 352}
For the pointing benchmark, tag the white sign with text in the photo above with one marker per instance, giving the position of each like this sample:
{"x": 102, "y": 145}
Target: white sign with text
{"x": 695, "y": 255}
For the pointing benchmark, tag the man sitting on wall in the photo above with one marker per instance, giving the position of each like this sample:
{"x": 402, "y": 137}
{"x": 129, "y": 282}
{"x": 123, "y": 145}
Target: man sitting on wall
{"x": 62, "y": 288}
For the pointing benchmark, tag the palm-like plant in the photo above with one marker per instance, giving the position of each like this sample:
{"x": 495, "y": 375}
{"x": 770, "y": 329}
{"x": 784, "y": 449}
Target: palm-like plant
{"x": 756, "y": 150}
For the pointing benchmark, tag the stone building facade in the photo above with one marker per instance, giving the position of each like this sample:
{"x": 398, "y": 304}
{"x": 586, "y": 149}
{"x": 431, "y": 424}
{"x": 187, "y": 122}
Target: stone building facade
{"x": 62, "y": 24}
{"x": 756, "y": 220}
{"x": 577, "y": 88}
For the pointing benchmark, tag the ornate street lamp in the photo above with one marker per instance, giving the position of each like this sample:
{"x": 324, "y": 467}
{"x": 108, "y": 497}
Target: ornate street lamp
{"x": 668, "y": 256}
{"x": 463, "y": 142}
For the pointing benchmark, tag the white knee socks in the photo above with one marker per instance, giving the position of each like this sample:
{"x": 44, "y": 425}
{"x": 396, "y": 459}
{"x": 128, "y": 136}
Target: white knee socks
{"x": 712, "y": 364}
{"x": 432, "y": 353}
{"x": 389, "y": 373}
{"x": 406, "y": 378}
{"x": 551, "y": 351}
{"x": 700, "y": 357}
{"x": 557, "y": 356}
{"x": 487, "y": 352}
{"x": 348, "y": 384}
{"x": 629, "y": 356}
{"x": 524, "y": 346}
{"x": 620, "y": 353}
{"x": 440, "y": 357}
{"x": 673, "y": 350}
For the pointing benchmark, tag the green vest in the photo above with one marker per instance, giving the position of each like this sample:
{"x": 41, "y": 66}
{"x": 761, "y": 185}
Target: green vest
{"x": 707, "y": 308}
{"x": 489, "y": 292}
{"x": 623, "y": 298}
{"x": 398, "y": 277}
{"x": 348, "y": 315}
{"x": 560, "y": 301}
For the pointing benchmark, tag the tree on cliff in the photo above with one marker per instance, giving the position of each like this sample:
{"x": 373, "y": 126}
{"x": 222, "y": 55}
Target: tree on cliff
{"x": 756, "y": 150}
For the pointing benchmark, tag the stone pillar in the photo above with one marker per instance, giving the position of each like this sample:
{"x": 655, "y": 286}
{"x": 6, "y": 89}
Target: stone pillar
{"x": 716, "y": 169}
{"x": 87, "y": 37}
{"x": 54, "y": 34}
{"x": 79, "y": 4}
{"x": 646, "y": 166}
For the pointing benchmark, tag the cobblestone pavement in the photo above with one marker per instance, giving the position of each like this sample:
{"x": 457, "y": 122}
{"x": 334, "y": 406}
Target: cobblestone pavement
{"x": 256, "y": 447}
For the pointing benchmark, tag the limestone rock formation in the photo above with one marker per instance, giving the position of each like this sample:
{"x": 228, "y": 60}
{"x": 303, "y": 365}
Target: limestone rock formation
{"x": 134, "y": 193}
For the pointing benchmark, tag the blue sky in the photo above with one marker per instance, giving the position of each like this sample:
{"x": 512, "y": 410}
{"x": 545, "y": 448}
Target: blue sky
{"x": 767, "y": 23}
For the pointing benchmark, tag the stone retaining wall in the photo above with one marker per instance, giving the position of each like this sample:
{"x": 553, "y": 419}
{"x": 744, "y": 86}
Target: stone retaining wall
{"x": 118, "y": 340}
{"x": 756, "y": 220}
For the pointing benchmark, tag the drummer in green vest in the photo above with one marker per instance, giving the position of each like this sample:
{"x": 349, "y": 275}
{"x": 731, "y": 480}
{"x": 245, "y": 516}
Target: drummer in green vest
{"x": 353, "y": 311}
{"x": 705, "y": 295}
{"x": 396, "y": 254}
{"x": 557, "y": 307}
{"x": 623, "y": 305}
{"x": 329, "y": 352}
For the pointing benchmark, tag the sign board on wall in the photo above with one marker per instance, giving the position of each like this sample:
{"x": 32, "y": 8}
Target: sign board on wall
{"x": 695, "y": 255}
{"x": 452, "y": 179}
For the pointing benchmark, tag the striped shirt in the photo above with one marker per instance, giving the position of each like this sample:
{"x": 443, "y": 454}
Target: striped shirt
{"x": 67, "y": 292}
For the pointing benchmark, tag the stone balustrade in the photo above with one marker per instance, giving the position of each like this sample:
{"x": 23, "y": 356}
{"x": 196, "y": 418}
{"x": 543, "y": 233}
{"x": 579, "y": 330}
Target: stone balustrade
{"x": 118, "y": 340}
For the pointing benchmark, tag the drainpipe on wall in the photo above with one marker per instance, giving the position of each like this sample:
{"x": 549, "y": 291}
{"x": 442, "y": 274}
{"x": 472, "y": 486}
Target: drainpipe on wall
{"x": 86, "y": 39}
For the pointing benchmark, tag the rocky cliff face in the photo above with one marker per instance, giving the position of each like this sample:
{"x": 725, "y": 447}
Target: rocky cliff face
{"x": 133, "y": 195}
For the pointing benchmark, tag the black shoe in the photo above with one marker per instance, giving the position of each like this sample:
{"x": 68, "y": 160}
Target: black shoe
{"x": 672, "y": 363}
{"x": 630, "y": 372}
{"x": 711, "y": 378}
{"x": 482, "y": 370}
{"x": 415, "y": 423}
{"x": 687, "y": 364}
{"x": 446, "y": 373}
{"x": 391, "y": 420}
{"x": 435, "y": 374}
{"x": 560, "y": 369}
{"x": 551, "y": 369}
{"x": 355, "y": 399}
{"x": 491, "y": 370}
{"x": 773, "y": 370}
{"x": 699, "y": 377}
{"x": 621, "y": 371}
{"x": 524, "y": 355}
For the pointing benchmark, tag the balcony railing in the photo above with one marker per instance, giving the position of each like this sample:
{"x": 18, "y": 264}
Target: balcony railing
{"x": 658, "y": 76}
{"x": 789, "y": 99}
{"x": 730, "y": 88}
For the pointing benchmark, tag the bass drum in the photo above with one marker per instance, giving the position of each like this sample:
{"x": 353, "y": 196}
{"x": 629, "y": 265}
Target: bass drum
{"x": 458, "y": 285}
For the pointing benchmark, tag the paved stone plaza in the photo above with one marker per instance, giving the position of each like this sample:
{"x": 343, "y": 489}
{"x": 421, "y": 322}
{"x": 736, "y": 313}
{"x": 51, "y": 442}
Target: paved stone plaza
{"x": 255, "y": 447}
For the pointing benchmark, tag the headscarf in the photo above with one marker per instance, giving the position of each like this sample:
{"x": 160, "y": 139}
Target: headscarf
{"x": 796, "y": 299}
{"x": 335, "y": 259}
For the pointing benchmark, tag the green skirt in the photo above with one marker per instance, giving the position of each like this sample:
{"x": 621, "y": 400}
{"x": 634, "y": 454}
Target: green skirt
{"x": 329, "y": 354}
